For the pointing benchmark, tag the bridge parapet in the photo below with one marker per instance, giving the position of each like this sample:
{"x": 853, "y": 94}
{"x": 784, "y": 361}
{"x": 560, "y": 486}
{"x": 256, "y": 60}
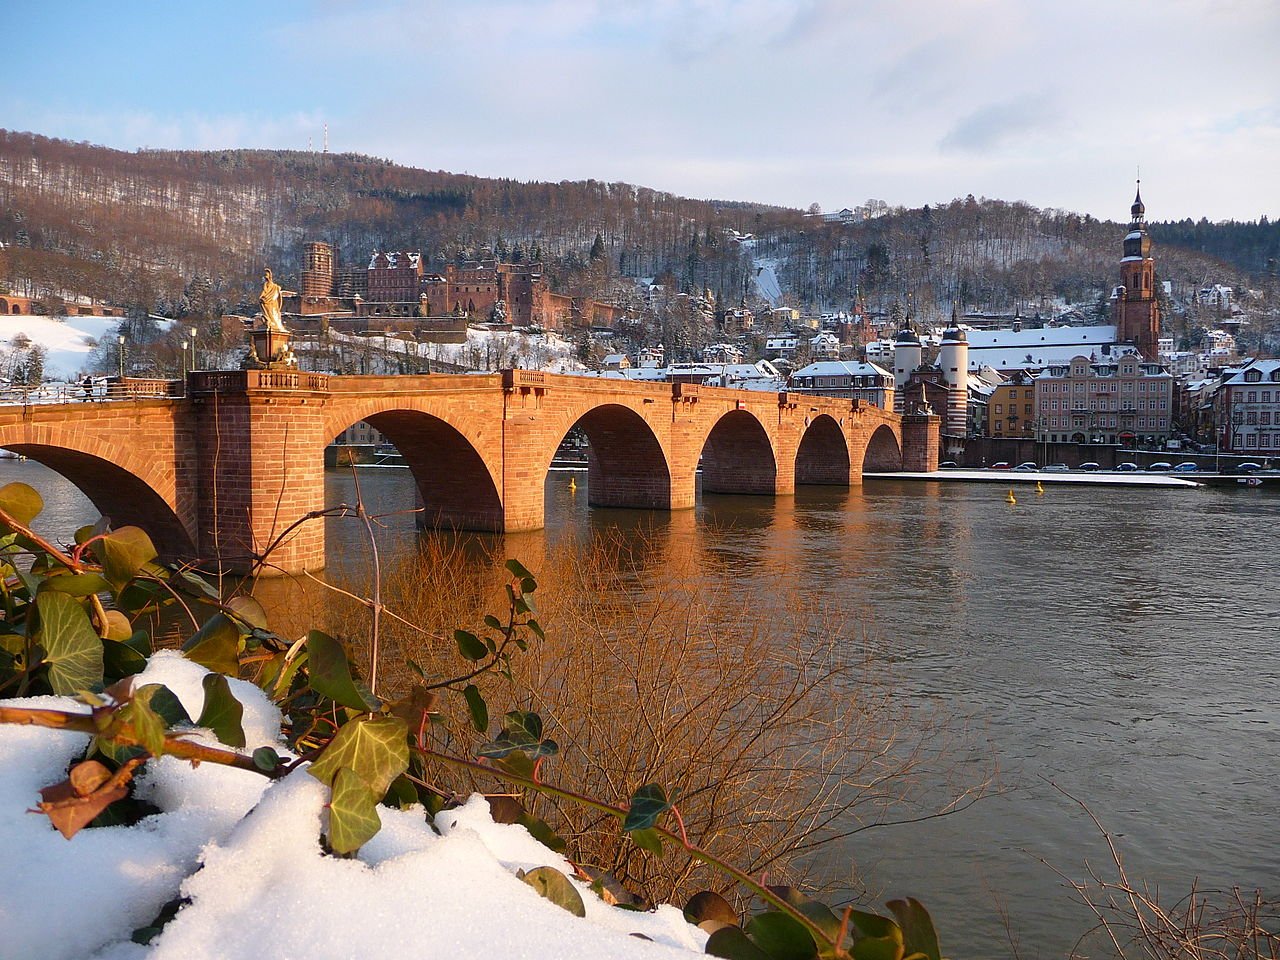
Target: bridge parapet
{"x": 119, "y": 388}
{"x": 246, "y": 381}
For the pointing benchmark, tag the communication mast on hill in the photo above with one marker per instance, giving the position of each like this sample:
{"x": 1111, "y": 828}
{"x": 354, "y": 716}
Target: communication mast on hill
{"x": 326, "y": 136}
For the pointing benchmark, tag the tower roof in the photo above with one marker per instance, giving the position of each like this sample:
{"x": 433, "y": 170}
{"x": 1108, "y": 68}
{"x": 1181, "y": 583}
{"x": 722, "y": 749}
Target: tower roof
{"x": 1138, "y": 209}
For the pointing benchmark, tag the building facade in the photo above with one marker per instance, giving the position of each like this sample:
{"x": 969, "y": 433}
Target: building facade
{"x": 1248, "y": 410}
{"x": 1011, "y": 409}
{"x": 841, "y": 378}
{"x": 1126, "y": 400}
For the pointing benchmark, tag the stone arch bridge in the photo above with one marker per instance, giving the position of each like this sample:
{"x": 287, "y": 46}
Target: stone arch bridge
{"x": 220, "y": 473}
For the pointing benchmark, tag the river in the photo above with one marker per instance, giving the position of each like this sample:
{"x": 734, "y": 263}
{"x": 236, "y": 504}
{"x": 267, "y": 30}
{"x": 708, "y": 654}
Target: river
{"x": 1112, "y": 644}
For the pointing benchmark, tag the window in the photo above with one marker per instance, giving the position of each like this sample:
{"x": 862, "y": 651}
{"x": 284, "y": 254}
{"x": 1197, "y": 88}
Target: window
{"x": 1013, "y": 394}
{"x": 1028, "y": 410}
{"x": 1266, "y": 396}
{"x": 1264, "y": 417}
{"x": 1253, "y": 396}
{"x": 999, "y": 408}
{"x": 1251, "y": 417}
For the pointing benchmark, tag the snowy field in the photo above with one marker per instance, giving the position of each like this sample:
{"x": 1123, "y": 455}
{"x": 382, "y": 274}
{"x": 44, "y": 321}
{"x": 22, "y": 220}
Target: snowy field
{"x": 246, "y": 852}
{"x": 66, "y": 340}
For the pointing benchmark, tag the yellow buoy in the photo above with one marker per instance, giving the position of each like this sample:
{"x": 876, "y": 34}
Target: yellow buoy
{"x": 573, "y": 485}
{"x": 1010, "y": 498}
{"x": 1039, "y": 488}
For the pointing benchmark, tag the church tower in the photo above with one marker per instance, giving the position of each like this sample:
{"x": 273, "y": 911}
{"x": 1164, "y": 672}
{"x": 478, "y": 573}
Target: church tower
{"x": 1135, "y": 311}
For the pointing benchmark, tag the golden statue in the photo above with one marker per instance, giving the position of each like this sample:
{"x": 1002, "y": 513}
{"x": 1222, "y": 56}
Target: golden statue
{"x": 271, "y": 298}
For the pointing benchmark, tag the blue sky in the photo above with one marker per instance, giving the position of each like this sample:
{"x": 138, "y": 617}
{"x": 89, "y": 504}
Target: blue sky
{"x": 777, "y": 101}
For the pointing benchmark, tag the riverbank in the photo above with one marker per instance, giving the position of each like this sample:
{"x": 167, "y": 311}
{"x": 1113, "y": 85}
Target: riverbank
{"x": 1009, "y": 477}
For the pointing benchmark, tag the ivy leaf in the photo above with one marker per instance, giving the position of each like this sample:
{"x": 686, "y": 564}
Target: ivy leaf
{"x": 148, "y": 725}
{"x": 78, "y": 584}
{"x": 556, "y": 887}
{"x": 222, "y": 712}
{"x": 197, "y": 585}
{"x": 647, "y": 805}
{"x": 732, "y": 944}
{"x": 266, "y": 759}
{"x": 470, "y": 646}
{"x": 248, "y": 610}
{"x": 331, "y": 673}
{"x": 353, "y": 812}
{"x": 781, "y": 936}
{"x": 72, "y": 648}
{"x": 123, "y": 554}
{"x": 518, "y": 569}
{"x": 76, "y": 801}
{"x": 21, "y": 502}
{"x": 709, "y": 905}
{"x": 216, "y": 646}
{"x": 166, "y": 704}
{"x": 374, "y": 747}
{"x": 647, "y": 839}
{"x": 524, "y": 724}
{"x": 918, "y": 933}
{"x": 477, "y": 707}
{"x": 120, "y": 660}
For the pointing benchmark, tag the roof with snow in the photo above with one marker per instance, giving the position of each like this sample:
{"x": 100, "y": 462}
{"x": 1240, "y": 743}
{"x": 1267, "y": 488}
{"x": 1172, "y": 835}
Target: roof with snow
{"x": 1038, "y": 346}
{"x": 841, "y": 368}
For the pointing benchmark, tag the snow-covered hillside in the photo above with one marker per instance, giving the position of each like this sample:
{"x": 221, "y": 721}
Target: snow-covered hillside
{"x": 67, "y": 341}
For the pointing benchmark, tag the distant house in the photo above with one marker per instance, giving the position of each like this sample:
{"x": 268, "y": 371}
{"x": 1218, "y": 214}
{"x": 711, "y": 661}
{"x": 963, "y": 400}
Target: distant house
{"x": 839, "y": 378}
{"x": 616, "y": 361}
{"x": 825, "y": 346}
{"x": 782, "y": 345}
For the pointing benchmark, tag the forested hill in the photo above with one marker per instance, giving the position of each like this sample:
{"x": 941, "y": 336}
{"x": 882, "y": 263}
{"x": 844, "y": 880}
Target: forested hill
{"x": 140, "y": 227}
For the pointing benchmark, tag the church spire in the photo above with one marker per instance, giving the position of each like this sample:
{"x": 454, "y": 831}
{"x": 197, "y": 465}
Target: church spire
{"x": 1138, "y": 209}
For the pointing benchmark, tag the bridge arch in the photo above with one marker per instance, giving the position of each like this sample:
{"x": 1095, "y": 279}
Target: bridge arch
{"x": 458, "y": 487}
{"x": 823, "y": 454}
{"x": 626, "y": 463}
{"x": 737, "y": 456}
{"x": 883, "y": 453}
{"x": 119, "y": 493}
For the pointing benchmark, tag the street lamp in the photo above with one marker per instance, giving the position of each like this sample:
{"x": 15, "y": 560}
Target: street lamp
{"x": 184, "y": 360}
{"x": 193, "y": 348}
{"x": 120, "y": 355}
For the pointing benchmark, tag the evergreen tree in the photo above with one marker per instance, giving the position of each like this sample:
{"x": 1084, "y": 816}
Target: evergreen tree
{"x": 597, "y": 248}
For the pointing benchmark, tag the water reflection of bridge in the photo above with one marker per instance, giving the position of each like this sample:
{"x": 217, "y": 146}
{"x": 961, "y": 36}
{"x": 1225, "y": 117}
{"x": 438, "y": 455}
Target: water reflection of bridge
{"x": 222, "y": 471}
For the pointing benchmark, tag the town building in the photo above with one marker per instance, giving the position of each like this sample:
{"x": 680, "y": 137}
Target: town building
{"x": 1247, "y": 408}
{"x": 844, "y": 378}
{"x": 1011, "y": 407}
{"x": 1124, "y": 400}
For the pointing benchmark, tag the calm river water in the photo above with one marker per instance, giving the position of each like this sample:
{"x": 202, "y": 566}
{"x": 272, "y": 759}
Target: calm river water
{"x": 1119, "y": 643}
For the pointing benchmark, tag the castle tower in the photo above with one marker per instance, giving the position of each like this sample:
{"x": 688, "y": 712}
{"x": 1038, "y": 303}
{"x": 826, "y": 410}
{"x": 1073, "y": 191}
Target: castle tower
{"x": 953, "y": 361}
{"x": 1136, "y": 313}
{"x": 317, "y": 270}
{"x": 906, "y": 359}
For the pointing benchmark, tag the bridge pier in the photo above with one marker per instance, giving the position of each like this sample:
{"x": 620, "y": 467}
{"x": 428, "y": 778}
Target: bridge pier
{"x": 258, "y": 438}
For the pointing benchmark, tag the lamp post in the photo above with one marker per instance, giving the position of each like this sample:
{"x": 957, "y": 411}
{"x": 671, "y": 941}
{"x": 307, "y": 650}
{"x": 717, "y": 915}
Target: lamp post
{"x": 194, "y": 331}
{"x": 184, "y": 360}
{"x": 120, "y": 354}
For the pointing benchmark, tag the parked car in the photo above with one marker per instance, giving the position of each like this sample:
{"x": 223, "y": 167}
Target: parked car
{"x": 1186, "y": 467}
{"x": 1090, "y": 466}
{"x": 1248, "y": 467}
{"x": 1057, "y": 468}
{"x": 1126, "y": 467}
{"x": 1159, "y": 465}
{"x": 948, "y": 465}
{"x": 1000, "y": 465}
{"x": 1027, "y": 467}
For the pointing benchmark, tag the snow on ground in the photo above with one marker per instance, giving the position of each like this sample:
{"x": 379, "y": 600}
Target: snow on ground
{"x": 247, "y": 853}
{"x": 766, "y": 281}
{"x": 66, "y": 340}
{"x": 484, "y": 349}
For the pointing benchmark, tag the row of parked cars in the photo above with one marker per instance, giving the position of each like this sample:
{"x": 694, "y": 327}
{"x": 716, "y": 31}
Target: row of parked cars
{"x": 1160, "y": 466}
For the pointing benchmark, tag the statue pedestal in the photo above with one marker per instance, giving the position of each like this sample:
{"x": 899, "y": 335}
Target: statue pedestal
{"x": 269, "y": 349}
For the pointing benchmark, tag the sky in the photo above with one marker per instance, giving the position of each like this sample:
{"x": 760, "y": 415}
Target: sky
{"x": 790, "y": 102}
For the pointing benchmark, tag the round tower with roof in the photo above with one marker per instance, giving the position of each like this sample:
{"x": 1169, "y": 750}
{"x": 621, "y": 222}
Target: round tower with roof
{"x": 907, "y": 353}
{"x": 1137, "y": 314}
{"x": 953, "y": 363}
